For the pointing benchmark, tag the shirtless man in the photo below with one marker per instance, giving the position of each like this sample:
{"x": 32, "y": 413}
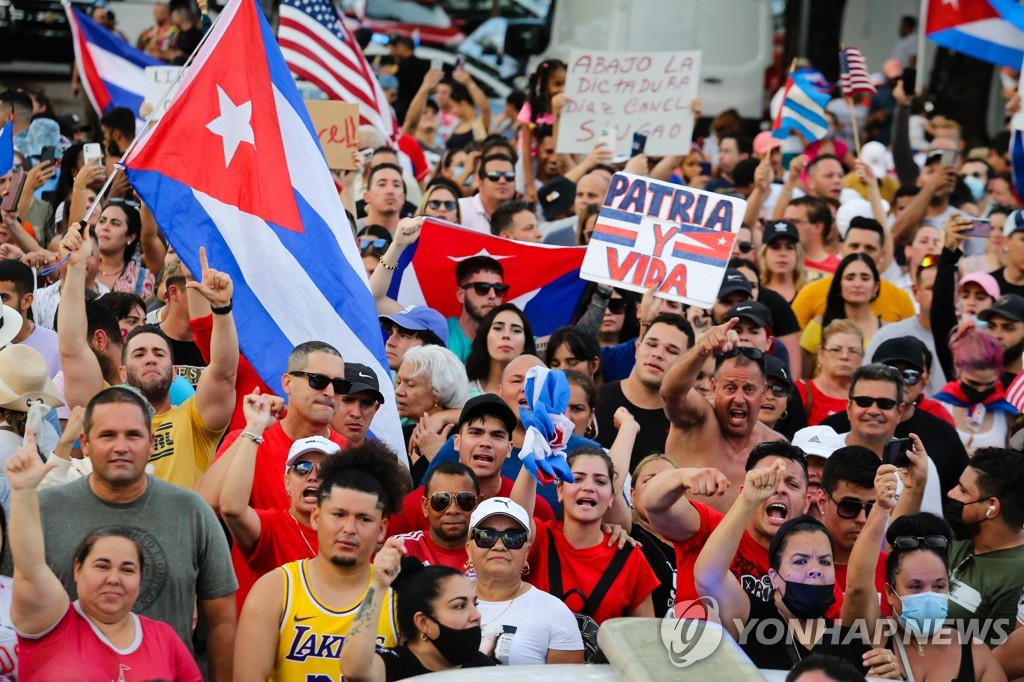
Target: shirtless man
{"x": 721, "y": 434}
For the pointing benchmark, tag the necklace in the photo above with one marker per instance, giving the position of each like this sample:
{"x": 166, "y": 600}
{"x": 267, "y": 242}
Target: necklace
{"x": 298, "y": 529}
{"x": 515, "y": 596}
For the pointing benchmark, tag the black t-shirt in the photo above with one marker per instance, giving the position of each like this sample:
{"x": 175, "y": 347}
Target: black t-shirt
{"x": 653, "y": 423}
{"x": 941, "y": 441}
{"x": 188, "y": 360}
{"x": 187, "y": 42}
{"x": 662, "y": 559}
{"x": 783, "y": 319}
{"x": 1004, "y": 286}
{"x": 770, "y": 646}
{"x": 400, "y": 663}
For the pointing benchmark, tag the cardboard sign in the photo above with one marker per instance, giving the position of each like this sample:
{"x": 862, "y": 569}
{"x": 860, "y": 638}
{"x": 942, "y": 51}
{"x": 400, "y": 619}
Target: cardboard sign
{"x": 337, "y": 126}
{"x": 158, "y": 79}
{"x": 629, "y": 92}
{"x": 651, "y": 232}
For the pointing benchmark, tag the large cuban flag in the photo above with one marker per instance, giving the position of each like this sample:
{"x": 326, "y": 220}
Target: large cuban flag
{"x": 234, "y": 165}
{"x": 979, "y": 28}
{"x": 6, "y": 147}
{"x": 113, "y": 72}
{"x": 544, "y": 281}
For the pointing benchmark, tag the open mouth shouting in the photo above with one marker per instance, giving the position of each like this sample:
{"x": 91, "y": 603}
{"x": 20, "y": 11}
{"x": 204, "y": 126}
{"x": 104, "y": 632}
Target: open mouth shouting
{"x": 777, "y": 513}
{"x": 586, "y": 502}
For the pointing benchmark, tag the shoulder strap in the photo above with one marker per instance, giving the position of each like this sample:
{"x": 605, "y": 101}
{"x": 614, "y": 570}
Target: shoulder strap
{"x": 554, "y": 570}
{"x": 607, "y": 578}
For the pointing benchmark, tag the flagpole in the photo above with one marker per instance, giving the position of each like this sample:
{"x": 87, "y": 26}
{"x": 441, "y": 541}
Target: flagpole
{"x": 921, "y": 40}
{"x": 849, "y": 106}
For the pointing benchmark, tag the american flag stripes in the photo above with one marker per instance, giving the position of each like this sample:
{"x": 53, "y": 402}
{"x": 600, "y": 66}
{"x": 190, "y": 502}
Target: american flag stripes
{"x": 319, "y": 48}
{"x": 853, "y": 73}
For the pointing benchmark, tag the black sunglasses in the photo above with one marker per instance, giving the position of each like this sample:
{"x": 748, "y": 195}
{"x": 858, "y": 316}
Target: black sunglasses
{"x": 779, "y": 390}
{"x": 494, "y": 176}
{"x": 866, "y": 401}
{"x": 371, "y": 243}
{"x": 616, "y": 306}
{"x": 744, "y": 247}
{"x": 121, "y": 201}
{"x": 911, "y": 542}
{"x": 911, "y": 377}
{"x": 440, "y": 502}
{"x": 850, "y": 509}
{"x": 437, "y": 204}
{"x": 752, "y": 353}
{"x": 305, "y": 466}
{"x": 483, "y": 288}
{"x": 319, "y": 382}
{"x": 487, "y": 538}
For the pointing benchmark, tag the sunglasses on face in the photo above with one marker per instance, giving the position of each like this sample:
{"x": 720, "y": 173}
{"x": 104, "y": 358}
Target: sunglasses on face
{"x": 911, "y": 377}
{"x": 911, "y": 542}
{"x": 752, "y": 353}
{"x": 494, "y": 176}
{"x": 617, "y": 306}
{"x": 483, "y": 288}
{"x": 850, "y": 509}
{"x": 370, "y": 242}
{"x": 438, "y": 204}
{"x": 837, "y": 350}
{"x": 866, "y": 401}
{"x": 319, "y": 382}
{"x": 779, "y": 390}
{"x": 440, "y": 502}
{"x": 486, "y": 538}
{"x": 305, "y": 466}
{"x": 744, "y": 247}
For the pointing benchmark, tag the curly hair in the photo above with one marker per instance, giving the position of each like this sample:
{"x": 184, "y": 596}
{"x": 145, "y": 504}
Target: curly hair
{"x": 371, "y": 468}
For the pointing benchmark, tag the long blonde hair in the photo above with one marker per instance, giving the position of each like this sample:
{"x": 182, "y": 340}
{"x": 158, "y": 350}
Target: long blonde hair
{"x": 798, "y": 267}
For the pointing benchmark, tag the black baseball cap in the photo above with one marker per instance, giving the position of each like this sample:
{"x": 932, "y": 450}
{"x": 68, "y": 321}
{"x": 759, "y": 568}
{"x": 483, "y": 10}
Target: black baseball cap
{"x": 557, "y": 196}
{"x": 1010, "y": 306}
{"x": 777, "y": 229}
{"x": 363, "y": 380}
{"x": 734, "y": 281}
{"x": 488, "y": 404}
{"x": 757, "y": 313}
{"x": 776, "y": 369}
{"x": 901, "y": 349}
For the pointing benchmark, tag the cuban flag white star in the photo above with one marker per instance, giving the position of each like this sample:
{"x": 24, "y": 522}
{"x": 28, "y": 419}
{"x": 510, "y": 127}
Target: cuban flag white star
{"x": 234, "y": 125}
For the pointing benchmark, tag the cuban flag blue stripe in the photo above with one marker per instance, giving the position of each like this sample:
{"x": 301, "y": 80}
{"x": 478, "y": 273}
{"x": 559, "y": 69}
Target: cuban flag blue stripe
{"x": 547, "y": 310}
{"x": 6, "y": 148}
{"x": 612, "y": 238}
{"x": 811, "y": 115}
{"x": 707, "y": 260}
{"x": 615, "y": 214}
{"x": 1017, "y": 161}
{"x": 979, "y": 48}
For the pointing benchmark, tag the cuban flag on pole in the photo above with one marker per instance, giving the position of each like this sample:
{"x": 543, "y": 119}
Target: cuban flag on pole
{"x": 979, "y": 28}
{"x": 113, "y": 72}
{"x": 803, "y": 109}
{"x": 544, "y": 281}
{"x": 7, "y": 148}
{"x": 234, "y": 165}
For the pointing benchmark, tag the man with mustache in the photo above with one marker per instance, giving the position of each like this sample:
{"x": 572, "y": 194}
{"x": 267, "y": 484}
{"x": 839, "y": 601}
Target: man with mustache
{"x": 1005, "y": 321}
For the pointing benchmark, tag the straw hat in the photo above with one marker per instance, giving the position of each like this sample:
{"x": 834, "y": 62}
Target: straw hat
{"x": 25, "y": 378}
{"x": 10, "y": 325}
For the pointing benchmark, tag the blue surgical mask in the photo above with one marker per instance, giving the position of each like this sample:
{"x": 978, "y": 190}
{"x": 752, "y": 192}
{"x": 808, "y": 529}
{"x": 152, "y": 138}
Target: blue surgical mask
{"x": 924, "y": 612}
{"x": 976, "y": 186}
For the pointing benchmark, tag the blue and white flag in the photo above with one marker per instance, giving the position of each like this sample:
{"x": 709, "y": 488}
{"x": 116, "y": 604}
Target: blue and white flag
{"x": 6, "y": 148}
{"x": 803, "y": 109}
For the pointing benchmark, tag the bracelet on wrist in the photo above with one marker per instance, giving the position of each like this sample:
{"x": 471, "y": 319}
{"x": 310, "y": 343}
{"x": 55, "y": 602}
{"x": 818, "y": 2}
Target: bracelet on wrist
{"x": 386, "y": 266}
{"x": 252, "y": 436}
{"x": 223, "y": 311}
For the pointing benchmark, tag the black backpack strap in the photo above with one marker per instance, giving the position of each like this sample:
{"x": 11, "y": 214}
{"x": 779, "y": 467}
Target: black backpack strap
{"x": 554, "y": 570}
{"x": 607, "y": 578}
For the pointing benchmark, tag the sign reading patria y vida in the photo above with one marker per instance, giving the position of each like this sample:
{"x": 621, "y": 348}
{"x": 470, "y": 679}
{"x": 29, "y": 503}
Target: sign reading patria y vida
{"x": 629, "y": 92}
{"x": 650, "y": 232}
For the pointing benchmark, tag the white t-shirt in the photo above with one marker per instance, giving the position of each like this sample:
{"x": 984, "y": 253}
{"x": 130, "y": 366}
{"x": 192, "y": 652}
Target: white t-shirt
{"x": 911, "y": 327}
{"x": 8, "y": 635}
{"x": 522, "y": 631}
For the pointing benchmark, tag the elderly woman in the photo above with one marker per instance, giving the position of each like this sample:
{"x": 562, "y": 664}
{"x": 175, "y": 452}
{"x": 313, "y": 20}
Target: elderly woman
{"x": 840, "y": 353}
{"x": 430, "y": 380}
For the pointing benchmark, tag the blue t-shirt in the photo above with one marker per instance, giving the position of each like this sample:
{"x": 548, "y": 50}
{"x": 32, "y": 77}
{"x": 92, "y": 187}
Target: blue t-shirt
{"x": 617, "y": 361}
{"x": 458, "y": 342}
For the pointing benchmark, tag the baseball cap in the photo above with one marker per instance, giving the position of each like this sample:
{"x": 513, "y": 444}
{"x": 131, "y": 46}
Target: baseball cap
{"x": 984, "y": 280}
{"x": 311, "y": 444}
{"x": 1010, "y": 306}
{"x": 1014, "y": 222}
{"x": 557, "y": 196}
{"x": 500, "y": 506}
{"x": 818, "y": 441}
{"x": 734, "y": 281}
{"x": 363, "y": 380}
{"x": 764, "y": 142}
{"x": 488, "y": 404}
{"x": 71, "y": 124}
{"x": 874, "y": 154}
{"x": 420, "y": 318}
{"x": 777, "y": 229}
{"x": 757, "y": 313}
{"x": 776, "y": 369}
{"x": 900, "y": 349}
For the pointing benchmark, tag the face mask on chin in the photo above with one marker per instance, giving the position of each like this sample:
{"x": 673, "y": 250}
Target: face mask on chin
{"x": 457, "y": 646}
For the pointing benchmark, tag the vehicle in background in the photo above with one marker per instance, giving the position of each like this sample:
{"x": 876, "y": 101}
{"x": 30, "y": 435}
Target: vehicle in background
{"x": 468, "y": 15}
{"x": 38, "y": 29}
{"x": 485, "y": 47}
{"x": 424, "y": 20}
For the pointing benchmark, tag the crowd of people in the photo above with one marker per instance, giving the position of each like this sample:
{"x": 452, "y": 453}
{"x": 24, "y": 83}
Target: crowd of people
{"x": 832, "y": 448}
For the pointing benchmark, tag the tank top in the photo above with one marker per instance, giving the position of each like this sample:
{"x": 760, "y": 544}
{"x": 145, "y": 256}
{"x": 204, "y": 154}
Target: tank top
{"x": 312, "y": 634}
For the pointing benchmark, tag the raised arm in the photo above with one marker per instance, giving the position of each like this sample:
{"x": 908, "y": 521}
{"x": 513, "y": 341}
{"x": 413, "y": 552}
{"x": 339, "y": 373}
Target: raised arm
{"x": 242, "y": 520}
{"x": 359, "y": 660}
{"x": 764, "y": 176}
{"x": 480, "y": 101}
{"x": 683, "y": 406}
{"x": 621, "y": 452}
{"x": 711, "y": 572}
{"x": 406, "y": 234}
{"x": 917, "y": 210}
{"x": 796, "y": 167}
{"x": 668, "y": 508}
{"x": 599, "y": 154}
{"x": 153, "y": 247}
{"x": 943, "y": 311}
{"x": 915, "y": 480}
{"x": 83, "y": 377}
{"x": 415, "y": 110}
{"x": 38, "y": 600}
{"x": 867, "y": 178}
{"x": 215, "y": 393}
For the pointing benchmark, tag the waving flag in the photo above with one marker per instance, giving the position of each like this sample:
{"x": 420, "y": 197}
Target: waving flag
{"x": 547, "y": 427}
{"x": 803, "y": 109}
{"x": 234, "y": 165}
{"x": 978, "y": 29}
{"x": 853, "y": 73}
{"x": 113, "y": 72}
{"x": 319, "y": 48}
{"x": 1017, "y": 161}
{"x": 543, "y": 280}
{"x": 6, "y": 148}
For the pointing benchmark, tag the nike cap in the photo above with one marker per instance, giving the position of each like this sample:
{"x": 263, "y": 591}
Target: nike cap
{"x": 363, "y": 380}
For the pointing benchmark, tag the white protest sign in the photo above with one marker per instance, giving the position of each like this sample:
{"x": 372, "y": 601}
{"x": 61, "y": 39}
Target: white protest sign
{"x": 158, "y": 78}
{"x": 631, "y": 92}
{"x": 651, "y": 232}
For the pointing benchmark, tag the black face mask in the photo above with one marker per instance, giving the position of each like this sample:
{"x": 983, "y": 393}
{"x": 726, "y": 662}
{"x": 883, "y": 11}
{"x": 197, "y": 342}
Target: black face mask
{"x": 974, "y": 396}
{"x": 808, "y": 601}
{"x": 1013, "y": 353}
{"x": 457, "y": 646}
{"x": 954, "y": 513}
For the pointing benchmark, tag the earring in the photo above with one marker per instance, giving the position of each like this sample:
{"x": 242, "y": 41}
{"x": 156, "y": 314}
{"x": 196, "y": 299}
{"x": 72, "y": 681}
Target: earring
{"x": 785, "y": 413}
{"x": 424, "y": 637}
{"x": 526, "y": 568}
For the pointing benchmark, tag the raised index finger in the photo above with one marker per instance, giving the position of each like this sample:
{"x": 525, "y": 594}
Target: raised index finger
{"x": 203, "y": 262}
{"x": 730, "y": 323}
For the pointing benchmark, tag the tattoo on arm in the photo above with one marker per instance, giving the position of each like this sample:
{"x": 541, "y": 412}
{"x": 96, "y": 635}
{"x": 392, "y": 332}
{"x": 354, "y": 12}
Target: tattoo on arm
{"x": 365, "y": 609}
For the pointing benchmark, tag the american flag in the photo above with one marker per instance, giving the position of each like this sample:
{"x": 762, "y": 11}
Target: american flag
{"x": 853, "y": 73}
{"x": 319, "y": 48}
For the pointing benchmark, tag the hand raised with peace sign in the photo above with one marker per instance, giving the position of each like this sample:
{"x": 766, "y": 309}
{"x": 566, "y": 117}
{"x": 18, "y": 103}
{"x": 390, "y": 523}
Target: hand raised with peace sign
{"x": 216, "y": 286}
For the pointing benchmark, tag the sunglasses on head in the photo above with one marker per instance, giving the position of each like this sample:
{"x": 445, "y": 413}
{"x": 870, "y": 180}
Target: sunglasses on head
{"x": 438, "y": 204}
{"x": 440, "y": 502}
{"x": 866, "y": 401}
{"x": 371, "y": 243}
{"x": 850, "y": 509}
{"x": 121, "y": 201}
{"x": 486, "y": 538}
{"x": 319, "y": 382}
{"x": 483, "y": 288}
{"x": 305, "y": 466}
{"x": 744, "y": 247}
{"x": 911, "y": 542}
{"x": 494, "y": 176}
{"x": 752, "y": 353}
{"x": 616, "y": 306}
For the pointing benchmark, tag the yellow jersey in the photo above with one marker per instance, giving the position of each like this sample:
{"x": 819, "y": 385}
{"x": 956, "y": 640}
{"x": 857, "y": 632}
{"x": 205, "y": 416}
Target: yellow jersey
{"x": 184, "y": 447}
{"x": 312, "y": 634}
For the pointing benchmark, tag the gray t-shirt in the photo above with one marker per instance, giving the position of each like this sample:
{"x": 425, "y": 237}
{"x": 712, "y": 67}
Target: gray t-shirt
{"x": 186, "y": 553}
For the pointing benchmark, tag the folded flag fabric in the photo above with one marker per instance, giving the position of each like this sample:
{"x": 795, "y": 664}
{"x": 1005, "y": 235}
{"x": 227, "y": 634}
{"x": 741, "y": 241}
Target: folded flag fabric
{"x": 7, "y": 148}
{"x": 547, "y": 427}
{"x": 803, "y": 109}
{"x": 989, "y": 30}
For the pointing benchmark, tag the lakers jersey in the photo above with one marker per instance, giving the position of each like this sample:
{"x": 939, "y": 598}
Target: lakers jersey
{"x": 312, "y": 634}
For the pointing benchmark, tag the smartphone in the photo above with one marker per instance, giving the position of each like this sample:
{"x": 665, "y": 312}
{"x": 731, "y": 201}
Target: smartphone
{"x": 366, "y": 154}
{"x": 609, "y": 137}
{"x": 639, "y": 142}
{"x": 948, "y": 158}
{"x": 13, "y": 196}
{"x": 460, "y": 62}
{"x": 47, "y": 155}
{"x": 909, "y": 81}
{"x": 436, "y": 64}
{"x": 92, "y": 154}
{"x": 981, "y": 227}
{"x": 705, "y": 168}
{"x": 895, "y": 452}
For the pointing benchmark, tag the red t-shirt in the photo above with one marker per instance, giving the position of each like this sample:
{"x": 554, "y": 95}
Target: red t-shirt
{"x": 411, "y": 517}
{"x": 75, "y": 650}
{"x": 282, "y": 541}
{"x": 822, "y": 406}
{"x": 419, "y": 544}
{"x": 246, "y": 378}
{"x": 879, "y": 582}
{"x": 828, "y": 266}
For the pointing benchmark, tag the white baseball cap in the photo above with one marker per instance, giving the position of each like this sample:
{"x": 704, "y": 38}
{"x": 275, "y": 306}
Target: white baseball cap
{"x": 818, "y": 441}
{"x": 500, "y": 506}
{"x": 311, "y": 444}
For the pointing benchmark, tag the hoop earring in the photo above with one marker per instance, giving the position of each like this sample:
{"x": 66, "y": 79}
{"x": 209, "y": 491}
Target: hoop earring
{"x": 526, "y": 568}
{"x": 424, "y": 637}
{"x": 590, "y": 431}
{"x": 785, "y": 413}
